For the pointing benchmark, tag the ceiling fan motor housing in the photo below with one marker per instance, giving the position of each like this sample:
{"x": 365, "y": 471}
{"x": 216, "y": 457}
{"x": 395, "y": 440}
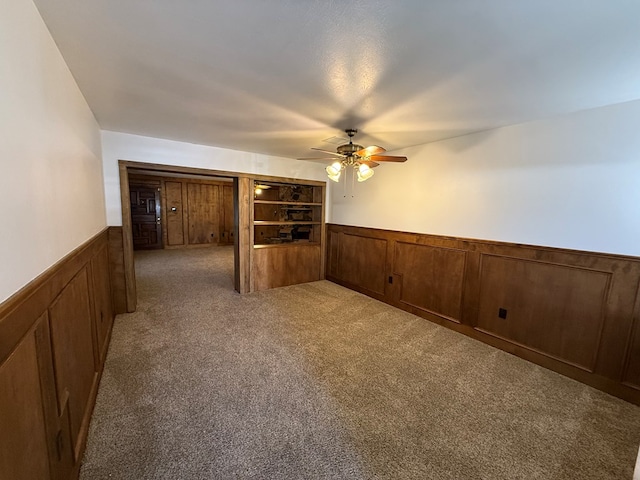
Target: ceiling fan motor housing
{"x": 349, "y": 149}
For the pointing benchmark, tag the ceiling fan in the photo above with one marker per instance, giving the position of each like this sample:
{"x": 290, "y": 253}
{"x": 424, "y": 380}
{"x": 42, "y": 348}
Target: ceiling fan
{"x": 362, "y": 159}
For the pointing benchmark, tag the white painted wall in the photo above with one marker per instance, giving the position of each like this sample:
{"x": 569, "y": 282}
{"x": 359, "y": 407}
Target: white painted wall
{"x": 51, "y": 186}
{"x": 570, "y": 182}
{"x": 122, "y": 146}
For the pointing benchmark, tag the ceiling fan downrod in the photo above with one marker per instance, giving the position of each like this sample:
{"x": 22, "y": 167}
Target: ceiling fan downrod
{"x": 349, "y": 149}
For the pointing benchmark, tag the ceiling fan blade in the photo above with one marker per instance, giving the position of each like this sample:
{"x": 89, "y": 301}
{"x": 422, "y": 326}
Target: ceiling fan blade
{"x": 387, "y": 158}
{"x": 371, "y": 150}
{"x": 369, "y": 163}
{"x": 328, "y": 151}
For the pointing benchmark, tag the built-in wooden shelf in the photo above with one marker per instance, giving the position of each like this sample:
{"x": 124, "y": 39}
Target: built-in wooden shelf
{"x": 300, "y": 243}
{"x": 287, "y": 233}
{"x": 292, "y": 222}
{"x": 279, "y": 202}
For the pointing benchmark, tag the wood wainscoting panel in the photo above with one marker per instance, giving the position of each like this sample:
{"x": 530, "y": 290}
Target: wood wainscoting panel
{"x": 203, "y": 213}
{"x": 23, "y": 436}
{"x": 362, "y": 261}
{"x": 431, "y": 278}
{"x": 102, "y": 303}
{"x": 631, "y": 373}
{"x": 173, "y": 213}
{"x": 74, "y": 363}
{"x": 333, "y": 247}
{"x": 117, "y": 277}
{"x": 53, "y": 333}
{"x": 289, "y": 265}
{"x": 575, "y": 312}
{"x": 555, "y": 309}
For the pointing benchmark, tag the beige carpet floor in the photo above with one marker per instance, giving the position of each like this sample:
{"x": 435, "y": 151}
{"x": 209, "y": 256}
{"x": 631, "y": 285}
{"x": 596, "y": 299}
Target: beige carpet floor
{"x": 316, "y": 381}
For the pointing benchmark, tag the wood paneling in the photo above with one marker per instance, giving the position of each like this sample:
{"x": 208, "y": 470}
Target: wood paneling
{"x": 361, "y": 261}
{"x": 571, "y": 311}
{"x": 555, "y": 309}
{"x": 61, "y": 452}
{"x": 431, "y": 278}
{"x": 287, "y": 265}
{"x": 333, "y": 244}
{"x": 127, "y": 238}
{"x": 203, "y": 211}
{"x": 50, "y": 361}
{"x": 173, "y": 213}
{"x": 102, "y": 304}
{"x": 74, "y": 355}
{"x": 116, "y": 270}
{"x": 631, "y": 374}
{"x": 226, "y": 216}
{"x": 23, "y": 438}
{"x": 286, "y": 216}
{"x": 320, "y": 234}
{"x": 183, "y": 215}
{"x": 243, "y": 251}
{"x": 266, "y": 211}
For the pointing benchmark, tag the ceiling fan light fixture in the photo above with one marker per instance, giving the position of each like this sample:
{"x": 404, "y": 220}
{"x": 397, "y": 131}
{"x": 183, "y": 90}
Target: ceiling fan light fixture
{"x": 333, "y": 171}
{"x": 364, "y": 172}
{"x": 259, "y": 188}
{"x": 335, "y": 178}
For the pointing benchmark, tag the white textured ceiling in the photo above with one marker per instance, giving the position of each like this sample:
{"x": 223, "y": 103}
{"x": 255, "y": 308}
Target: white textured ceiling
{"x": 280, "y": 76}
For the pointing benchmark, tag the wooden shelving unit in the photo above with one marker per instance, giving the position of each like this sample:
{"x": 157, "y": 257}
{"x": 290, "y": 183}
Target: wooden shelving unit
{"x": 287, "y": 233}
{"x": 286, "y": 213}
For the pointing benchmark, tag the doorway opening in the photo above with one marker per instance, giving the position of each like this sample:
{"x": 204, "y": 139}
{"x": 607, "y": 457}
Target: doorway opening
{"x": 180, "y": 210}
{"x": 171, "y": 207}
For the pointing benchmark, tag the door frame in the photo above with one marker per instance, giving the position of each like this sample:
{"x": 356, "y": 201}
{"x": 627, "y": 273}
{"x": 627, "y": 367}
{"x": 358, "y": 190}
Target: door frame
{"x": 241, "y": 209}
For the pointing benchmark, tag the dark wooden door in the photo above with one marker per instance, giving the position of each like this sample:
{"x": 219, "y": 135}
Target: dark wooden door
{"x": 145, "y": 217}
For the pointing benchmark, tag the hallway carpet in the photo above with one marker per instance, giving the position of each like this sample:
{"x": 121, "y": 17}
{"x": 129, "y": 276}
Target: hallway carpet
{"x": 316, "y": 381}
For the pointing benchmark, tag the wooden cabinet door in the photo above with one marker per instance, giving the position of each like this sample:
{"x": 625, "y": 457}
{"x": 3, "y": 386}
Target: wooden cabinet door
{"x": 102, "y": 307}
{"x": 145, "y": 217}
